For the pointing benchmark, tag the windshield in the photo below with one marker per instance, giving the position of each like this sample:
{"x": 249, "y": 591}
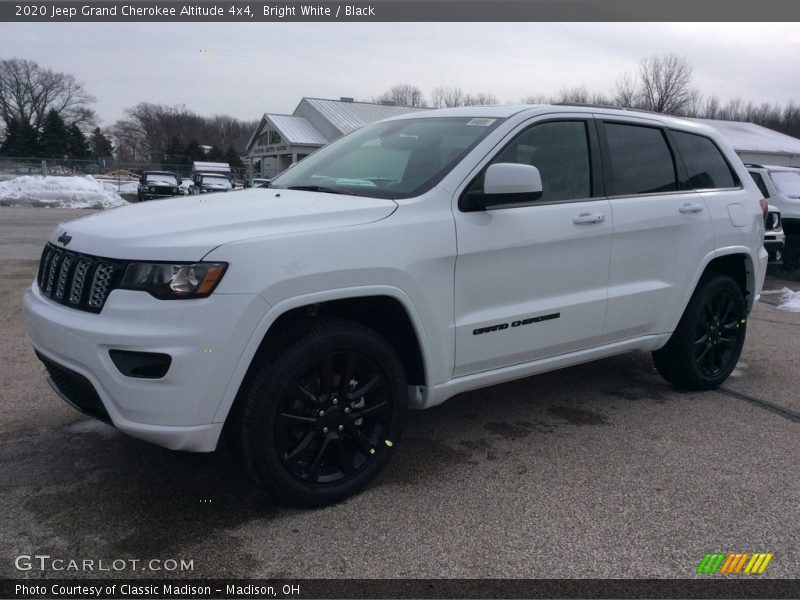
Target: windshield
{"x": 392, "y": 159}
{"x": 164, "y": 178}
{"x": 787, "y": 182}
{"x": 216, "y": 180}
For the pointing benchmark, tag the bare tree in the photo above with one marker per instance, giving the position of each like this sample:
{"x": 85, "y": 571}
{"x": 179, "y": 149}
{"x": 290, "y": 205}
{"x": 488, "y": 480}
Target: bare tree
{"x": 732, "y": 110}
{"x": 28, "y": 92}
{"x": 535, "y": 99}
{"x": 480, "y": 99}
{"x": 628, "y": 93}
{"x": 447, "y": 97}
{"x": 450, "y": 96}
{"x": 710, "y": 108}
{"x": 149, "y": 129}
{"x": 403, "y": 94}
{"x": 665, "y": 83}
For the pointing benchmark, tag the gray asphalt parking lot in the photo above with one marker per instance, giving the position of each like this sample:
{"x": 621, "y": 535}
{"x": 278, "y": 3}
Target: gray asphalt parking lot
{"x": 601, "y": 470}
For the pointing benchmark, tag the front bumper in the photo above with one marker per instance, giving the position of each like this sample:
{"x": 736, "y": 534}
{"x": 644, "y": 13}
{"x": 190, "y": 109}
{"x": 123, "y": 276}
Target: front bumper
{"x": 774, "y": 242}
{"x": 156, "y": 195}
{"x": 204, "y": 337}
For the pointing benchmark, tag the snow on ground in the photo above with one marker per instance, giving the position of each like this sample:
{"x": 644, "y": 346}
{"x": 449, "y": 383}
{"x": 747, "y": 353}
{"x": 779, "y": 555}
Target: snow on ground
{"x": 59, "y": 192}
{"x": 789, "y": 300}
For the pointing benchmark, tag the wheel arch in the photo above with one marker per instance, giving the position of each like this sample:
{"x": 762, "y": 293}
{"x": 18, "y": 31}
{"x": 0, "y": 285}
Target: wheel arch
{"x": 735, "y": 262}
{"x": 361, "y": 305}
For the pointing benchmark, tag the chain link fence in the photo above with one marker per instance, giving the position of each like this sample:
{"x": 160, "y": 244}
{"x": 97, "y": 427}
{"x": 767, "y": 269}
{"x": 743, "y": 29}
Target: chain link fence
{"x": 103, "y": 168}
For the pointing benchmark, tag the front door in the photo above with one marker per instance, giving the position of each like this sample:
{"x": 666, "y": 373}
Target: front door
{"x": 531, "y": 278}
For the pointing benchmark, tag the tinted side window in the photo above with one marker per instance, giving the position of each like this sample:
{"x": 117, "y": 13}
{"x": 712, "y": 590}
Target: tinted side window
{"x": 560, "y": 150}
{"x": 641, "y": 160}
{"x": 760, "y": 183}
{"x": 706, "y": 166}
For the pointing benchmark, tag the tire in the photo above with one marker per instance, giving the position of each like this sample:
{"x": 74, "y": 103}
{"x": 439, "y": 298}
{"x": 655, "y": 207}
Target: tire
{"x": 321, "y": 420}
{"x": 705, "y": 347}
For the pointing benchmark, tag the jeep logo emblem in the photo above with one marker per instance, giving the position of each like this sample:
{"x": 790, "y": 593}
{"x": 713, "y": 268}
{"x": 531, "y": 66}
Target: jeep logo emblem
{"x": 64, "y": 238}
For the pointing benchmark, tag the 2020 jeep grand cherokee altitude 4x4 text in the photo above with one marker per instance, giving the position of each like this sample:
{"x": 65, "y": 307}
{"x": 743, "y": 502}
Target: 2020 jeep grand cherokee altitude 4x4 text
{"x": 404, "y": 263}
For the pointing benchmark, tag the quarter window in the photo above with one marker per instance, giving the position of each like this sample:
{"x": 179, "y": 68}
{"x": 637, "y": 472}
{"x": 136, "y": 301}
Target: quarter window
{"x": 560, "y": 150}
{"x": 706, "y": 167}
{"x": 760, "y": 183}
{"x": 641, "y": 160}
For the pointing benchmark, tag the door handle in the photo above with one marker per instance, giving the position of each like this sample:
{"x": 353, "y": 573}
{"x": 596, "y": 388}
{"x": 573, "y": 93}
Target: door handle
{"x": 588, "y": 219}
{"x": 691, "y": 208}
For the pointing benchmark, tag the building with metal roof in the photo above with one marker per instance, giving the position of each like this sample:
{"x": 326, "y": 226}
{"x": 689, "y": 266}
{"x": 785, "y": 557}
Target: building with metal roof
{"x": 756, "y": 144}
{"x": 281, "y": 140}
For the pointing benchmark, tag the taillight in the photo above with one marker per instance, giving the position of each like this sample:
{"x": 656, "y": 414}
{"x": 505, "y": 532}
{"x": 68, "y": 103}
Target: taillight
{"x": 764, "y": 208}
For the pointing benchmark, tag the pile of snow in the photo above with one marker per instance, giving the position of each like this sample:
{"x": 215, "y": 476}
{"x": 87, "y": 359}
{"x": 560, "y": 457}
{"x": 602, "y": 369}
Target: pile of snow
{"x": 790, "y": 300}
{"x": 58, "y": 192}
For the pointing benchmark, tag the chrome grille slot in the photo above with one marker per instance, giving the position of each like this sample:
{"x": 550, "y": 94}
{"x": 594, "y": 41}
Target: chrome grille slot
{"x": 100, "y": 285}
{"x": 51, "y": 273}
{"x": 79, "y": 281}
{"x": 63, "y": 274}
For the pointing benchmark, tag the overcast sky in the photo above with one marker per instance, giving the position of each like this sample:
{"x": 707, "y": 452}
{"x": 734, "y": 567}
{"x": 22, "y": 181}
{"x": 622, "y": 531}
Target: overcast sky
{"x": 246, "y": 69}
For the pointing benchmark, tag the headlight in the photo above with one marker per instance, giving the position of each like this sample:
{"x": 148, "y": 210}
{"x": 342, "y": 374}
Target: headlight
{"x": 172, "y": 281}
{"x": 774, "y": 221}
{"x": 152, "y": 188}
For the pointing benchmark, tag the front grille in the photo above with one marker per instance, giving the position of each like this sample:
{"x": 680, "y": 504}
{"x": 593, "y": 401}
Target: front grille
{"x": 77, "y": 280}
{"x": 75, "y": 389}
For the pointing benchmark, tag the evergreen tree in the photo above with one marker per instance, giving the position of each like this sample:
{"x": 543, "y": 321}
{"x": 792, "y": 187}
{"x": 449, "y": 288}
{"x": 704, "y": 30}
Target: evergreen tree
{"x": 233, "y": 159}
{"x": 175, "y": 153}
{"x": 10, "y": 138}
{"x": 21, "y": 140}
{"x": 193, "y": 152}
{"x": 216, "y": 155}
{"x": 55, "y": 139}
{"x": 77, "y": 144}
{"x": 100, "y": 145}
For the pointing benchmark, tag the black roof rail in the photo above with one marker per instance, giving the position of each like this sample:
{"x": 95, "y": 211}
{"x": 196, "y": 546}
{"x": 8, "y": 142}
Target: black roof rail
{"x": 611, "y": 106}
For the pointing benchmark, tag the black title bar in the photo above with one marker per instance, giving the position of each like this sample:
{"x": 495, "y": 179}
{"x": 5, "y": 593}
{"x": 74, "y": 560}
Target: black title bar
{"x": 401, "y": 10}
{"x": 152, "y": 589}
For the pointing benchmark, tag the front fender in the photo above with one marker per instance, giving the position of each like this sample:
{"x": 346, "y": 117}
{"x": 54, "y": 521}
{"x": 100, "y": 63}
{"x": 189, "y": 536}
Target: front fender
{"x": 281, "y": 308}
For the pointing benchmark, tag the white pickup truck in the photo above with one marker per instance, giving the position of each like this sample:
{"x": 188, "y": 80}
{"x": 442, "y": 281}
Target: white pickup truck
{"x": 407, "y": 262}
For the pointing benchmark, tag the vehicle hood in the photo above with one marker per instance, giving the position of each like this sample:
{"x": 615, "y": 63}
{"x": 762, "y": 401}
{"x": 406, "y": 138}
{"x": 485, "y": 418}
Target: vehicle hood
{"x": 187, "y": 228}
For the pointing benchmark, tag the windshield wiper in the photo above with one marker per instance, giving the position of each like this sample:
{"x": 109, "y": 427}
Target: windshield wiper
{"x": 318, "y": 188}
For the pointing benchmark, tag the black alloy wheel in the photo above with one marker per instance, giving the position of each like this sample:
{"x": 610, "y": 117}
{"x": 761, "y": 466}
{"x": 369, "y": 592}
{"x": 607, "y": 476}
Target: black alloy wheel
{"x": 717, "y": 334}
{"x": 332, "y": 419}
{"x": 706, "y": 345}
{"x": 322, "y": 413}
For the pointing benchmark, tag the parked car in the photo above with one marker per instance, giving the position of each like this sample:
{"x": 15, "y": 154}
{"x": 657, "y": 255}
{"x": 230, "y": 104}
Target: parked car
{"x": 774, "y": 238}
{"x": 781, "y": 187}
{"x": 158, "y": 184}
{"x": 203, "y": 183}
{"x": 407, "y": 262}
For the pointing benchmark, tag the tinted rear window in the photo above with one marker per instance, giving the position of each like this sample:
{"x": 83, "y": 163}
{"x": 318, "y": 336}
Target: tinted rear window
{"x": 787, "y": 182}
{"x": 760, "y": 183}
{"x": 706, "y": 167}
{"x": 641, "y": 160}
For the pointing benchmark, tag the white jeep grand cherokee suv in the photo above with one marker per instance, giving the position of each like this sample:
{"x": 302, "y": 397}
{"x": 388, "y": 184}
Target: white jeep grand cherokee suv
{"x": 411, "y": 260}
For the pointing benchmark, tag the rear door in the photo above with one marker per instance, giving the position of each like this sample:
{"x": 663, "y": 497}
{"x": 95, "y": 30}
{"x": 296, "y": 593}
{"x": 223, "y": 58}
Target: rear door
{"x": 661, "y": 230}
{"x": 531, "y": 277}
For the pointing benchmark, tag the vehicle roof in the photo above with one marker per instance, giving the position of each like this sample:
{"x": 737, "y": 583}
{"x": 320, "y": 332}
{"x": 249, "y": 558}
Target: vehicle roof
{"x": 501, "y": 111}
{"x": 752, "y": 167}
